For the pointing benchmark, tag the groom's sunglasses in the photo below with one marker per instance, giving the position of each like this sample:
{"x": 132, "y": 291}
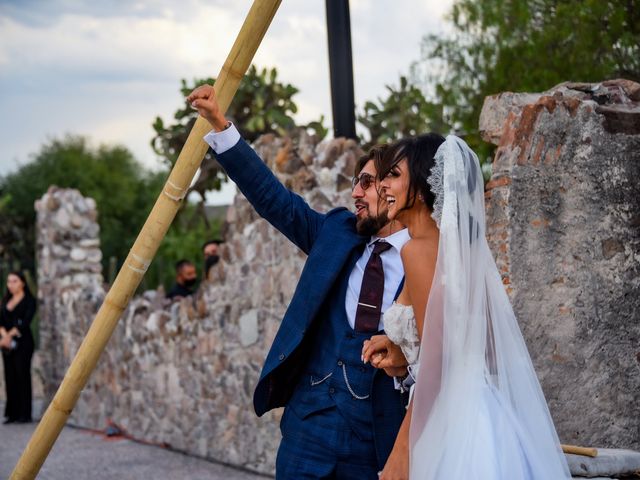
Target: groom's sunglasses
{"x": 364, "y": 179}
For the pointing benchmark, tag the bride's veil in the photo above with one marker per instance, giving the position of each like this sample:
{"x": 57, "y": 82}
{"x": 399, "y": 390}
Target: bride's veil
{"x": 478, "y": 411}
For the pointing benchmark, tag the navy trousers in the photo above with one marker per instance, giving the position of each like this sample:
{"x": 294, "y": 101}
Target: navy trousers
{"x": 323, "y": 446}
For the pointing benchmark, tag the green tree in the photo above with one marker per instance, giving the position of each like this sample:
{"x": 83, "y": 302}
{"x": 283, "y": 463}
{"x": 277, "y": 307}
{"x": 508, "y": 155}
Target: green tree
{"x": 124, "y": 193}
{"x": 405, "y": 111}
{"x": 262, "y": 105}
{"x": 525, "y": 45}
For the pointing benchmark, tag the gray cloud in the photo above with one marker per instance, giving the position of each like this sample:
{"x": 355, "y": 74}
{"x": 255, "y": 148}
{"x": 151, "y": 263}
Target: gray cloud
{"x": 42, "y": 13}
{"x": 107, "y": 69}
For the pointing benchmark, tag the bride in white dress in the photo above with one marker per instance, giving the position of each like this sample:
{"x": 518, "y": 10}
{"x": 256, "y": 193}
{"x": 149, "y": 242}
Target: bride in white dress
{"x": 477, "y": 411}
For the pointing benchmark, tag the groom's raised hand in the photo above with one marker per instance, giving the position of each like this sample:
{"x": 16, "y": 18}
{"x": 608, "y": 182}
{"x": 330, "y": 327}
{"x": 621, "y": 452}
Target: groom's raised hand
{"x": 204, "y": 100}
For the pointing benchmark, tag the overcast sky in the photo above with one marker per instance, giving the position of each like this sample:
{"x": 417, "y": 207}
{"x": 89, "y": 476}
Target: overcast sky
{"x": 107, "y": 69}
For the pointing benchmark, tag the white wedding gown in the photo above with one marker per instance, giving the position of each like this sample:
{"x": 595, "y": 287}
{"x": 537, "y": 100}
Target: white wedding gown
{"x": 478, "y": 409}
{"x": 497, "y": 446}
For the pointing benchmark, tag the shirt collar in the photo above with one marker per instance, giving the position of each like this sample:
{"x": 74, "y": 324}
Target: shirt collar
{"x": 397, "y": 240}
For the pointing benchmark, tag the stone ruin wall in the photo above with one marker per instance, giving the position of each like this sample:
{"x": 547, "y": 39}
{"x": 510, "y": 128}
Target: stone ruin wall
{"x": 183, "y": 374}
{"x": 563, "y": 210}
{"x": 563, "y": 221}
{"x": 70, "y": 283}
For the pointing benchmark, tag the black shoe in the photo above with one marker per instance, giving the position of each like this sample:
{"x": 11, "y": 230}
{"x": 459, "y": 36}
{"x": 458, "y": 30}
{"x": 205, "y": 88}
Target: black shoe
{"x": 23, "y": 420}
{"x": 9, "y": 420}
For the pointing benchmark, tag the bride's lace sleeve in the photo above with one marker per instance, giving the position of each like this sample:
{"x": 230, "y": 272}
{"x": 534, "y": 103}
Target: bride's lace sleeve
{"x": 400, "y": 327}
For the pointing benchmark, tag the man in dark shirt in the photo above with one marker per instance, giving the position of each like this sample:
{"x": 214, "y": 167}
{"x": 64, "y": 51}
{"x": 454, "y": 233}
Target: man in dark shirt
{"x": 186, "y": 278}
{"x": 211, "y": 255}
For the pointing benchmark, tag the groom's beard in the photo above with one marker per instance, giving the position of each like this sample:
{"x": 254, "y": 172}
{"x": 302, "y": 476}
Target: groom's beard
{"x": 370, "y": 225}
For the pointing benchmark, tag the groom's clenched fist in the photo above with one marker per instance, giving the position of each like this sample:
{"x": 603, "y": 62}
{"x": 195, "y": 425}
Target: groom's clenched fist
{"x": 204, "y": 100}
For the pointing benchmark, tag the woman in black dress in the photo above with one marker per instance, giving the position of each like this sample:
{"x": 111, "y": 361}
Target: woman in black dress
{"x": 16, "y": 341}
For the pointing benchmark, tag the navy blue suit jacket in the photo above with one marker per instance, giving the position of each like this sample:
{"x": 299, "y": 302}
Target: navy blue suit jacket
{"x": 329, "y": 241}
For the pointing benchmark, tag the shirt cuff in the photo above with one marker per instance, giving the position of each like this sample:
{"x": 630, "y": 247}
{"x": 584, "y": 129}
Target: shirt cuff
{"x": 404, "y": 384}
{"x": 411, "y": 377}
{"x": 222, "y": 141}
{"x": 397, "y": 383}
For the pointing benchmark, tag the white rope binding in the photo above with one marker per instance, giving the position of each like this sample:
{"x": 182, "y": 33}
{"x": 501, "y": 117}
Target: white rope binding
{"x": 144, "y": 262}
{"x": 176, "y": 198}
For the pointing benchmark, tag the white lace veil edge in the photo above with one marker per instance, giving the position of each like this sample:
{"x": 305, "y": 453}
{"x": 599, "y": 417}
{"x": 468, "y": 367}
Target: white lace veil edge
{"x": 478, "y": 406}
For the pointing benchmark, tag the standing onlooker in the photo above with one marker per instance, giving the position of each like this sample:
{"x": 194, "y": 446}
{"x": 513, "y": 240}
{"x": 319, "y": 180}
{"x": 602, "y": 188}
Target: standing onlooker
{"x": 16, "y": 312}
{"x": 211, "y": 255}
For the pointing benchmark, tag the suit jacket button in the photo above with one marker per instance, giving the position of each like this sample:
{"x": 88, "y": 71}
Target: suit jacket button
{"x": 332, "y": 390}
{"x": 281, "y": 357}
{"x": 339, "y": 363}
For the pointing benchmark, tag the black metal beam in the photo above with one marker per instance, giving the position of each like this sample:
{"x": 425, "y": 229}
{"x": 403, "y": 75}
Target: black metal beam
{"x": 341, "y": 68}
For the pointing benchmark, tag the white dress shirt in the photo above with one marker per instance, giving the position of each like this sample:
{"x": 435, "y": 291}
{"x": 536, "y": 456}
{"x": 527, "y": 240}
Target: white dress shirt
{"x": 393, "y": 273}
{"x": 224, "y": 140}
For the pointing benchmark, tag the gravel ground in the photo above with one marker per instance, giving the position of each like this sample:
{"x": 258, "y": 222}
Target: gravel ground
{"x": 80, "y": 454}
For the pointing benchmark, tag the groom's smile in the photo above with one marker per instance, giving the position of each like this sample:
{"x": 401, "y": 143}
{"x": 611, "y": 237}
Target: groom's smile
{"x": 362, "y": 209}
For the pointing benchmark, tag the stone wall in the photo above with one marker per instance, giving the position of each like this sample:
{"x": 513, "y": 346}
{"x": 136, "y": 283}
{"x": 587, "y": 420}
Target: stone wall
{"x": 69, "y": 279}
{"x": 563, "y": 210}
{"x": 183, "y": 374}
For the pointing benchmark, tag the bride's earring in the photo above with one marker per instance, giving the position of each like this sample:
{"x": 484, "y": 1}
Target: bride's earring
{"x": 420, "y": 198}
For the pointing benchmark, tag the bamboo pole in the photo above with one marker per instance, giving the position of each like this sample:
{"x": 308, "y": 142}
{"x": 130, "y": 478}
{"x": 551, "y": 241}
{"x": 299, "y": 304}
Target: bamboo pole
{"x": 584, "y": 451}
{"x": 145, "y": 246}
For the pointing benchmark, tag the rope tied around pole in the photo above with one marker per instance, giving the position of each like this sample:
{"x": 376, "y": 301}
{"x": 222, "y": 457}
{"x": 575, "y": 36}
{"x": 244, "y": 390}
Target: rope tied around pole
{"x": 143, "y": 264}
{"x": 182, "y": 192}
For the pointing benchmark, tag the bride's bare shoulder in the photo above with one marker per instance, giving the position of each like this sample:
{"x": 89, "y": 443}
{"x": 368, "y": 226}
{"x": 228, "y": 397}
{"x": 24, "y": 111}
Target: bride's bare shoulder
{"x": 419, "y": 256}
{"x": 419, "y": 248}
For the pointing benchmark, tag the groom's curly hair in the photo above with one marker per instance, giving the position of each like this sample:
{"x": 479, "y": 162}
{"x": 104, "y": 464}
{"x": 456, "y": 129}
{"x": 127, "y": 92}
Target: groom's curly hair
{"x": 375, "y": 153}
{"x": 419, "y": 152}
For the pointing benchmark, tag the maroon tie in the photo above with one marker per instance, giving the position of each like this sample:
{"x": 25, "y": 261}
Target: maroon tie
{"x": 371, "y": 292}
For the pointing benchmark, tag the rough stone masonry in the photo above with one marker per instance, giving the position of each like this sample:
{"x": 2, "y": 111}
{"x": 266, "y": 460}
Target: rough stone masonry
{"x": 563, "y": 211}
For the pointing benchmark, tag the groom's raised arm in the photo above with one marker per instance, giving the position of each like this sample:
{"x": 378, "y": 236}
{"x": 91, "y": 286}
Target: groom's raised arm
{"x": 285, "y": 210}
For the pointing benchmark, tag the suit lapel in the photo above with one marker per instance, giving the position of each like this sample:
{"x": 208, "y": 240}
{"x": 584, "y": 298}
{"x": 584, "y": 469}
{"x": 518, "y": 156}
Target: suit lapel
{"x": 326, "y": 262}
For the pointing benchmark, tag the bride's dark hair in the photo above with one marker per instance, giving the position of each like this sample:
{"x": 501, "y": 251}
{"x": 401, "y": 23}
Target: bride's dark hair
{"x": 419, "y": 152}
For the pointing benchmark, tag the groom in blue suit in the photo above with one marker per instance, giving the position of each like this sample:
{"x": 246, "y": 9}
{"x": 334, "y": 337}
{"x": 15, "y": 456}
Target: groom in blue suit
{"x": 342, "y": 415}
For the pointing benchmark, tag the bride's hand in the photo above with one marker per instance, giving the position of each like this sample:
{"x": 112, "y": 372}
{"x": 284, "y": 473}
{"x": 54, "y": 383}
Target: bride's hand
{"x": 383, "y": 353}
{"x": 397, "y": 466}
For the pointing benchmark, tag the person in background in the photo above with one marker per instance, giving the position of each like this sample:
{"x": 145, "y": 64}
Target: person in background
{"x": 17, "y": 345}
{"x": 210, "y": 251}
{"x": 186, "y": 278}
